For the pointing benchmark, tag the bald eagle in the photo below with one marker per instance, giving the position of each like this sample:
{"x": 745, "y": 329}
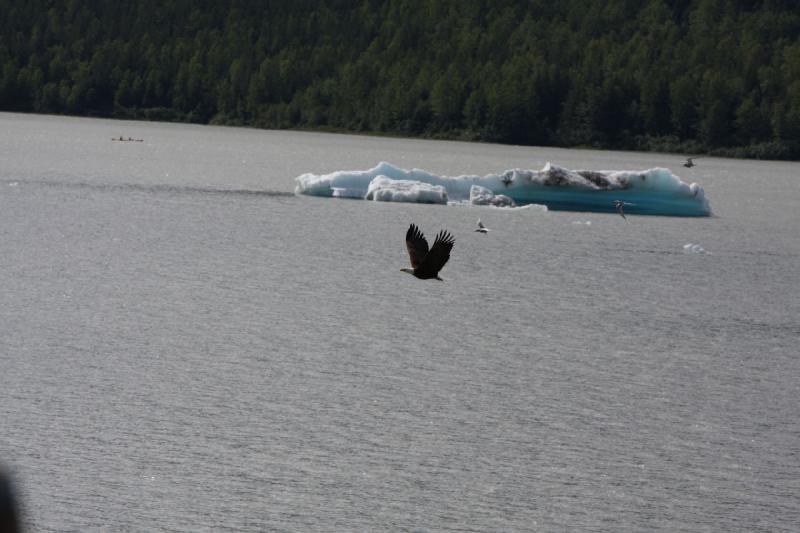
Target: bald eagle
{"x": 427, "y": 264}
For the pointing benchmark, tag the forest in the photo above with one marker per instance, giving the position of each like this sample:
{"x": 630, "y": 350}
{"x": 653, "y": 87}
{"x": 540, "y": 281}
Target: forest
{"x": 695, "y": 76}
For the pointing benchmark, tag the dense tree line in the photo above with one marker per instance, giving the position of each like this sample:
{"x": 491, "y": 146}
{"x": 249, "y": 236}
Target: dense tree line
{"x": 694, "y": 75}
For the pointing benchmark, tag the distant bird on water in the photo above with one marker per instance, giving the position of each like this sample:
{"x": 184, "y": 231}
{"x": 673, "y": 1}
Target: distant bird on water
{"x": 425, "y": 263}
{"x": 689, "y": 163}
{"x": 481, "y": 228}
{"x": 620, "y": 205}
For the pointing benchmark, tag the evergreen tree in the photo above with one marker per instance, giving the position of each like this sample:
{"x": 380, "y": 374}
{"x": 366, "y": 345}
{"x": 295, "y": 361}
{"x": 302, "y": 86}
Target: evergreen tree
{"x": 715, "y": 75}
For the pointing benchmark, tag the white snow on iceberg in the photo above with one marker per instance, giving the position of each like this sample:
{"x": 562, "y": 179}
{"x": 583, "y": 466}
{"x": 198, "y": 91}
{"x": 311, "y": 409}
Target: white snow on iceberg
{"x": 656, "y": 191}
{"x": 482, "y": 196}
{"x": 383, "y": 189}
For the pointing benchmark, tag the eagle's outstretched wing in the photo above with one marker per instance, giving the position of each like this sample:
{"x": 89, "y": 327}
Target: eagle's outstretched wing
{"x": 438, "y": 255}
{"x": 417, "y": 246}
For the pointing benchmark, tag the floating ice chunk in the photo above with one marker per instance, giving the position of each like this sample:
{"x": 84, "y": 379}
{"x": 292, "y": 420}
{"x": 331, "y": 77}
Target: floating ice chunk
{"x": 694, "y": 249}
{"x": 482, "y": 196}
{"x": 384, "y": 189}
{"x": 537, "y": 207}
{"x": 656, "y": 191}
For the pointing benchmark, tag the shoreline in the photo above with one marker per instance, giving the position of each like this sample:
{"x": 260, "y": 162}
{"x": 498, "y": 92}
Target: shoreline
{"x": 771, "y": 151}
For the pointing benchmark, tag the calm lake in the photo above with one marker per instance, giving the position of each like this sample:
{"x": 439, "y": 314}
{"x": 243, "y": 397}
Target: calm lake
{"x": 188, "y": 346}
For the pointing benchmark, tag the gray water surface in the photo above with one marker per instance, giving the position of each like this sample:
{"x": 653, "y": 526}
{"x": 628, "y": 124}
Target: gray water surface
{"x": 187, "y": 346}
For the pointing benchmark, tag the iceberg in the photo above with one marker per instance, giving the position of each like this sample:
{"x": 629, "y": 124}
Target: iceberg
{"x": 656, "y": 191}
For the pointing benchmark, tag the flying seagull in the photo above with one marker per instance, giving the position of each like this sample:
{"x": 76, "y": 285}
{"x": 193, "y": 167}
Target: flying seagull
{"x": 689, "y": 163}
{"x": 427, "y": 264}
{"x": 481, "y": 228}
{"x": 620, "y": 205}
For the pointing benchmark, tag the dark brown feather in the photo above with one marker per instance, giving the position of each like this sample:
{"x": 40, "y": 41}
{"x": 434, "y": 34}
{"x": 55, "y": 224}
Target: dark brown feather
{"x": 417, "y": 246}
{"x": 437, "y": 257}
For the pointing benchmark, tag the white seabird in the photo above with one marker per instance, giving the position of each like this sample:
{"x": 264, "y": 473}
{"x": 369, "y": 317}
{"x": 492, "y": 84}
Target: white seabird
{"x": 620, "y": 205}
{"x": 481, "y": 228}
